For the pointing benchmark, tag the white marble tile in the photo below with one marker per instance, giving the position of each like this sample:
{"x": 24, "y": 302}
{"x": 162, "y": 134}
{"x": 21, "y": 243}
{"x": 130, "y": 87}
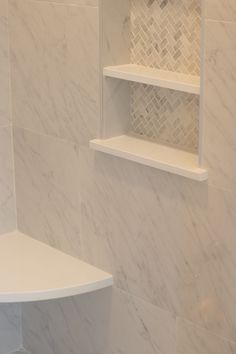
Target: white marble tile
{"x": 76, "y": 325}
{"x": 47, "y": 174}
{"x": 54, "y": 57}
{"x": 98, "y": 323}
{"x": 138, "y": 327}
{"x": 10, "y": 328}
{"x": 7, "y": 195}
{"x": 165, "y": 239}
{"x": 195, "y": 340}
{"x": 220, "y": 10}
{"x": 220, "y": 105}
{"x": 4, "y": 66}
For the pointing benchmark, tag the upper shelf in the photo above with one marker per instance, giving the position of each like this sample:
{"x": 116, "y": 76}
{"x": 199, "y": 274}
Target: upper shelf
{"x": 154, "y": 77}
{"x": 165, "y": 158}
{"x": 32, "y": 271}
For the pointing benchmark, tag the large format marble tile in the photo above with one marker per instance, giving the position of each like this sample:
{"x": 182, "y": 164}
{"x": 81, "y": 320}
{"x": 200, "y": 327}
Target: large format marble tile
{"x": 47, "y": 193}
{"x": 10, "y": 328}
{"x": 166, "y": 239}
{"x": 7, "y": 195}
{"x": 195, "y": 340}
{"x": 220, "y": 10}
{"x": 220, "y": 105}
{"x": 76, "y": 325}
{"x": 4, "y": 66}
{"x": 138, "y": 327}
{"x": 54, "y": 57}
{"x": 98, "y": 323}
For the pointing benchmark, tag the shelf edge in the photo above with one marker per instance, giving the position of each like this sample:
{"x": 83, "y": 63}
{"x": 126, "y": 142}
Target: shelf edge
{"x": 199, "y": 174}
{"x": 175, "y": 84}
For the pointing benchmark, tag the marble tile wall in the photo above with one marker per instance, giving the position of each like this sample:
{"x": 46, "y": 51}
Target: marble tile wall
{"x": 169, "y": 242}
{"x": 10, "y": 328}
{"x": 10, "y": 338}
{"x": 60, "y": 97}
{"x": 220, "y": 103}
{"x": 76, "y": 325}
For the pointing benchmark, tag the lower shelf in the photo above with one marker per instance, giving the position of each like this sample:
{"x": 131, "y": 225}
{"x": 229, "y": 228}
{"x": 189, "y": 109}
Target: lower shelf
{"x": 32, "y": 271}
{"x": 162, "y": 157}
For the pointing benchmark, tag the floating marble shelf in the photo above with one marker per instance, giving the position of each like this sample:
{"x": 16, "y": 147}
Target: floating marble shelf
{"x": 165, "y": 158}
{"x": 154, "y": 77}
{"x": 32, "y": 271}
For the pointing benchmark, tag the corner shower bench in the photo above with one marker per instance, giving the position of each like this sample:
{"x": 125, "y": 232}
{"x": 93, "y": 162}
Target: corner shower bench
{"x": 33, "y": 271}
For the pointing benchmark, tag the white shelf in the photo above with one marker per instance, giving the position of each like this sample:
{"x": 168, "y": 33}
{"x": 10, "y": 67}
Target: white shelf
{"x": 32, "y": 271}
{"x": 155, "y": 77}
{"x": 151, "y": 154}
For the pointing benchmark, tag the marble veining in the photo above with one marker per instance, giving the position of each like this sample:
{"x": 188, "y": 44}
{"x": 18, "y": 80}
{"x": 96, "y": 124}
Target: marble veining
{"x": 46, "y": 184}
{"x": 194, "y": 340}
{"x": 10, "y": 320}
{"x": 10, "y": 328}
{"x": 220, "y": 105}
{"x": 73, "y": 325}
{"x": 220, "y": 10}
{"x": 177, "y": 264}
{"x": 82, "y": 322}
{"x": 139, "y": 327}
{"x": 170, "y": 243}
{"x": 61, "y": 94}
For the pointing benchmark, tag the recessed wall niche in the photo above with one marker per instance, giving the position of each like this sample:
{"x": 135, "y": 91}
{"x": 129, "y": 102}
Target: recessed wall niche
{"x": 166, "y": 35}
{"x": 150, "y": 68}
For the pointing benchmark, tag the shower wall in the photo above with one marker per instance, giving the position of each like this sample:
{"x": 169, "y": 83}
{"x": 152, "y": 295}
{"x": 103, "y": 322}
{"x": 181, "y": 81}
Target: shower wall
{"x": 170, "y": 242}
{"x": 10, "y": 337}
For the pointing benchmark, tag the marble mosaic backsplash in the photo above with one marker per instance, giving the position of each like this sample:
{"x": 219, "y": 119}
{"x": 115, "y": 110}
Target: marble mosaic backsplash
{"x": 165, "y": 34}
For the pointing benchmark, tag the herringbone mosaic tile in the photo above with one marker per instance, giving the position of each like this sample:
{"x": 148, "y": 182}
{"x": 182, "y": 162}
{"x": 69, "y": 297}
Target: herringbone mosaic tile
{"x": 166, "y": 34}
{"x": 165, "y": 116}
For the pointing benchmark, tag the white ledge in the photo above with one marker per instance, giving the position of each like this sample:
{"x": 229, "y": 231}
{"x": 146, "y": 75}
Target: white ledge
{"x": 162, "y": 157}
{"x": 32, "y": 271}
{"x": 154, "y": 77}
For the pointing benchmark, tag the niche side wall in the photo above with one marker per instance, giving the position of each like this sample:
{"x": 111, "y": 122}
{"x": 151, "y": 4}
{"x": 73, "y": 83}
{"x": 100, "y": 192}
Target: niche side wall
{"x": 7, "y": 197}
